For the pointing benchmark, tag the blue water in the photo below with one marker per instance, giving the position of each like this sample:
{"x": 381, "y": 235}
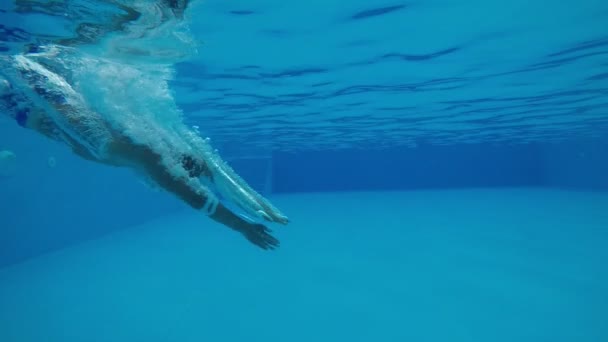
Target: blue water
{"x": 443, "y": 165}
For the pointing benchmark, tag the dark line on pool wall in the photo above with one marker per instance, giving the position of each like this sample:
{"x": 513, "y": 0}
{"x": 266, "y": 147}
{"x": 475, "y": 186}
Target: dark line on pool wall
{"x": 242, "y": 12}
{"x": 294, "y": 73}
{"x": 598, "y": 77}
{"x": 376, "y": 12}
{"x": 406, "y": 57}
{"x": 582, "y": 46}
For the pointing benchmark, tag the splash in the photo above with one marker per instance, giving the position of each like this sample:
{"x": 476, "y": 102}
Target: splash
{"x": 113, "y": 81}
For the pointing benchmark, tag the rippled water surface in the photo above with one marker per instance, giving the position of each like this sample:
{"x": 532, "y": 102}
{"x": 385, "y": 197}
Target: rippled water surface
{"x": 321, "y": 74}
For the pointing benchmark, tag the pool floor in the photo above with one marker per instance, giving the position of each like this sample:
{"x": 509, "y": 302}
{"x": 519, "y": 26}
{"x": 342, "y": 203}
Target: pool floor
{"x": 450, "y": 265}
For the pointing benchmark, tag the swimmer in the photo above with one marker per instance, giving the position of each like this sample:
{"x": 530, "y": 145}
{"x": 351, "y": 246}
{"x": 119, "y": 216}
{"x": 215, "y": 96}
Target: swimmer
{"x": 47, "y": 104}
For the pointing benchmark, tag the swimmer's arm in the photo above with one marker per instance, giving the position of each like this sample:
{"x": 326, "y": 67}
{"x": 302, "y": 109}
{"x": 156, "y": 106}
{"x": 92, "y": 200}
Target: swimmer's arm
{"x": 204, "y": 201}
{"x": 233, "y": 187}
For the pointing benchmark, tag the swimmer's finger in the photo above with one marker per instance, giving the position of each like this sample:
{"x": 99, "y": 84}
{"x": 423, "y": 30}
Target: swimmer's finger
{"x": 273, "y": 217}
{"x": 259, "y": 235}
{"x": 281, "y": 219}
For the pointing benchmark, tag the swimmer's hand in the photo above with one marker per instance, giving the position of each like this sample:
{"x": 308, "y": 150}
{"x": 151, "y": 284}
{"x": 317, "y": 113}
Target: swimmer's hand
{"x": 259, "y": 235}
{"x": 256, "y": 233}
{"x": 236, "y": 190}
